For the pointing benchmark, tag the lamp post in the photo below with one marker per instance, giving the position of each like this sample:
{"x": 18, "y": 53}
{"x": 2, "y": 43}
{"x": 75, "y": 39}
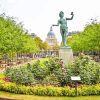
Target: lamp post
{"x": 75, "y": 79}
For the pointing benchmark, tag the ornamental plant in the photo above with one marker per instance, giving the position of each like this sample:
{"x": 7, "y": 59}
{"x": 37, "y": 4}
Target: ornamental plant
{"x": 20, "y": 75}
{"x": 86, "y": 68}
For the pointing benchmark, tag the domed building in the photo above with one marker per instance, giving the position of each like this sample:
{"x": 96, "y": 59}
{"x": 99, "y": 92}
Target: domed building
{"x": 51, "y": 38}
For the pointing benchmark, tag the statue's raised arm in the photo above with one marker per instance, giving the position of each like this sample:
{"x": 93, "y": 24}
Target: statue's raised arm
{"x": 71, "y": 16}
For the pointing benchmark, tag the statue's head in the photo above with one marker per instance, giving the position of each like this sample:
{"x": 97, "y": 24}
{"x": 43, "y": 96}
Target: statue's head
{"x": 61, "y": 14}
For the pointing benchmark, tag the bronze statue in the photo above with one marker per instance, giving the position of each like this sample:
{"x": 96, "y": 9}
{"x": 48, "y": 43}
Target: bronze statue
{"x": 63, "y": 27}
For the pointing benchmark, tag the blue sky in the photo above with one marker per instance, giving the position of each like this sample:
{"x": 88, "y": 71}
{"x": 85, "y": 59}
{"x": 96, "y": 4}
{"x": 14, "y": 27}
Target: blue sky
{"x": 38, "y": 15}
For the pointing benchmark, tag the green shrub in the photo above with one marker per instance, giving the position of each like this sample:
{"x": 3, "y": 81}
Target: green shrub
{"x": 38, "y": 71}
{"x": 20, "y": 75}
{"x": 54, "y": 68}
{"x": 51, "y": 79}
{"x": 51, "y": 72}
{"x": 86, "y": 68}
{"x": 52, "y": 64}
{"x": 49, "y": 90}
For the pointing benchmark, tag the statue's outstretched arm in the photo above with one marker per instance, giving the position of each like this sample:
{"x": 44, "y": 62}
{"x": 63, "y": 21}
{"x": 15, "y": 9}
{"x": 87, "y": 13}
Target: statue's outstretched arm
{"x": 56, "y": 24}
{"x": 71, "y": 17}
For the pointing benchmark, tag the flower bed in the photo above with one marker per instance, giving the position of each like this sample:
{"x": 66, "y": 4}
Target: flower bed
{"x": 83, "y": 90}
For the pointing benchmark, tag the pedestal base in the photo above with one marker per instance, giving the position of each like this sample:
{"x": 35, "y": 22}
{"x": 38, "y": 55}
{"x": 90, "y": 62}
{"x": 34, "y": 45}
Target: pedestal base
{"x": 66, "y": 54}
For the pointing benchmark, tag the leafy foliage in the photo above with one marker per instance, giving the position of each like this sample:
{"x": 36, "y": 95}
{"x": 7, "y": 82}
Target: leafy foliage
{"x": 86, "y": 68}
{"x": 39, "y": 42}
{"x": 20, "y": 76}
{"x": 88, "y": 40}
{"x": 14, "y": 38}
{"x": 52, "y": 72}
{"x": 42, "y": 45}
{"x": 46, "y": 46}
{"x": 84, "y": 90}
{"x": 51, "y": 80}
{"x": 55, "y": 69}
{"x": 38, "y": 72}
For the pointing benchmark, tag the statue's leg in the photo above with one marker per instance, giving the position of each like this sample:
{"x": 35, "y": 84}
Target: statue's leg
{"x": 65, "y": 38}
{"x": 62, "y": 35}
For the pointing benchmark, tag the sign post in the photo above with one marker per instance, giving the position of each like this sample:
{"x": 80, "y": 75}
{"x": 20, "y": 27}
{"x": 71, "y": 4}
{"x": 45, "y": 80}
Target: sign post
{"x": 76, "y": 79}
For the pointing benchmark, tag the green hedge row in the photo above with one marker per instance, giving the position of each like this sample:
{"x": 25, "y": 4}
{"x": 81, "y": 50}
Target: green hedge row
{"x": 49, "y": 90}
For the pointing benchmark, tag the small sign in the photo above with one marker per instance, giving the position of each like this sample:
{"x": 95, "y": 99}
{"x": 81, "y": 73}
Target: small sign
{"x": 75, "y": 78}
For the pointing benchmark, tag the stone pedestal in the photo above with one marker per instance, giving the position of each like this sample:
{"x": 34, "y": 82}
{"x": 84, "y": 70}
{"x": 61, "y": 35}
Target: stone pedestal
{"x": 66, "y": 54}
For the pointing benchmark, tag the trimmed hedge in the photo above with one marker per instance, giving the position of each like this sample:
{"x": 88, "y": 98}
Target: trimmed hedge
{"x": 83, "y": 90}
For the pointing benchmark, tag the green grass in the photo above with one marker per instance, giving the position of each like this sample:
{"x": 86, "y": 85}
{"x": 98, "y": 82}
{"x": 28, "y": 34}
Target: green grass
{"x": 32, "y": 97}
{"x": 41, "y": 61}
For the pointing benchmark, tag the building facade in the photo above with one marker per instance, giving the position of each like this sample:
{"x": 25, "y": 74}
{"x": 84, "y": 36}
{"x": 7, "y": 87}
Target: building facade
{"x": 51, "y": 39}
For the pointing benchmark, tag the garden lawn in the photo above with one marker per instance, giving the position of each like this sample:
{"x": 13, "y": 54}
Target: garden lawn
{"x": 32, "y": 97}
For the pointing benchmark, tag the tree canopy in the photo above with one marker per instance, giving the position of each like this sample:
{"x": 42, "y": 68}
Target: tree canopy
{"x": 42, "y": 45}
{"x": 87, "y": 40}
{"x": 14, "y": 38}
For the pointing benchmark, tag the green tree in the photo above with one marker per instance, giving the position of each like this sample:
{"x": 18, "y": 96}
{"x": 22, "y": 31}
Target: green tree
{"x": 88, "y": 40}
{"x": 39, "y": 42}
{"x": 13, "y": 37}
{"x": 56, "y": 47}
{"x": 46, "y": 46}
